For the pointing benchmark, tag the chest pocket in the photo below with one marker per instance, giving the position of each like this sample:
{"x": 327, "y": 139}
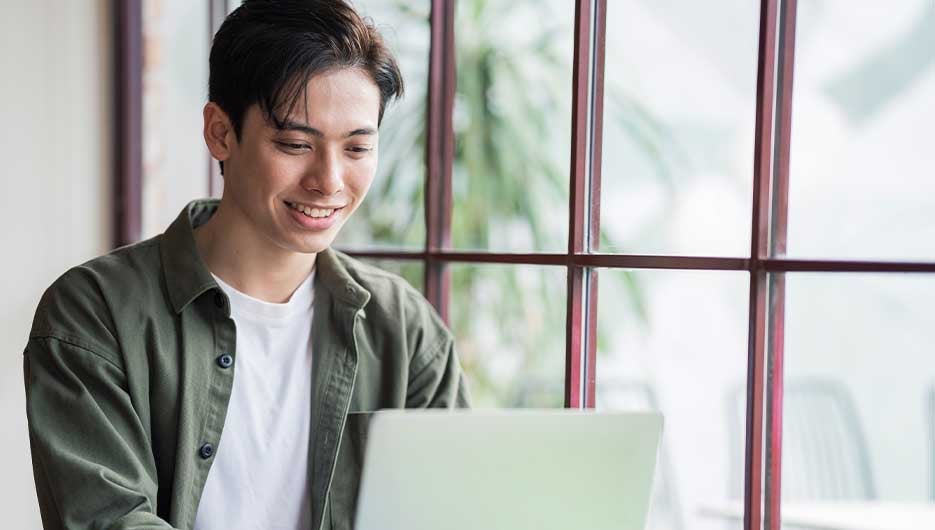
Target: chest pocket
{"x": 346, "y": 482}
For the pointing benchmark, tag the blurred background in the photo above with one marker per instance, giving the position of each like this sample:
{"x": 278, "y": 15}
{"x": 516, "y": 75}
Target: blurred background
{"x": 680, "y": 94}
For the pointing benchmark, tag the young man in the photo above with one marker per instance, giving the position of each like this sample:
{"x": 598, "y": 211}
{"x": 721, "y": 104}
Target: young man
{"x": 136, "y": 418}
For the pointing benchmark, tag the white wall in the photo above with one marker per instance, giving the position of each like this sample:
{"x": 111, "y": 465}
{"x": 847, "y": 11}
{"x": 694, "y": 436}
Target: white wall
{"x": 55, "y": 189}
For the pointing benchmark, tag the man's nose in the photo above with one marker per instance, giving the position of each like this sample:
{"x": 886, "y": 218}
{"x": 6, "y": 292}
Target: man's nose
{"x": 325, "y": 177}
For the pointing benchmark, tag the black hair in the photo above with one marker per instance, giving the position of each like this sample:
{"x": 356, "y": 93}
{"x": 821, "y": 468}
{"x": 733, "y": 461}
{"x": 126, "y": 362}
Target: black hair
{"x": 267, "y": 50}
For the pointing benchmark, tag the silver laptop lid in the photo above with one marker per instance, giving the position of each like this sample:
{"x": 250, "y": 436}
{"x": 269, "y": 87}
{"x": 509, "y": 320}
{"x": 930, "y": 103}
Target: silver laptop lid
{"x": 508, "y": 470}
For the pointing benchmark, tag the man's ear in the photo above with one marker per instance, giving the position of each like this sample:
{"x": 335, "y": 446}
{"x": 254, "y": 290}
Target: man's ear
{"x": 218, "y": 131}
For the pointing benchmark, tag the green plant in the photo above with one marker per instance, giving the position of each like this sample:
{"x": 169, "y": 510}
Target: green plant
{"x": 510, "y": 185}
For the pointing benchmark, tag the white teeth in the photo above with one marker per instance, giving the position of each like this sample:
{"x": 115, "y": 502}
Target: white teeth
{"x": 311, "y": 212}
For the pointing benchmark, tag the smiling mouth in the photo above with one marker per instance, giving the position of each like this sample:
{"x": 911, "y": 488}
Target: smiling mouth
{"x": 314, "y": 213}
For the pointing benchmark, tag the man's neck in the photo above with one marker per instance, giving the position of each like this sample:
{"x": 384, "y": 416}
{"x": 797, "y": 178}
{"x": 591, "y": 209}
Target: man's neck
{"x": 235, "y": 252}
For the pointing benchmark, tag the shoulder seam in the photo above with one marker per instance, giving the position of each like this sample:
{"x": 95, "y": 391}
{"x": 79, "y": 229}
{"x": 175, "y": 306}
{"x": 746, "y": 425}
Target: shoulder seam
{"x": 77, "y": 343}
{"x": 367, "y": 268}
{"x": 364, "y": 269}
{"x": 119, "y": 252}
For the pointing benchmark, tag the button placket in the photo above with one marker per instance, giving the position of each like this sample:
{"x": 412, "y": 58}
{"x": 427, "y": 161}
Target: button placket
{"x": 225, "y": 360}
{"x": 220, "y": 386}
{"x": 206, "y": 451}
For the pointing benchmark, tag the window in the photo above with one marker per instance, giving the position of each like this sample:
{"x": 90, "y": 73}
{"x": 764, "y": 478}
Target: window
{"x": 658, "y": 217}
{"x": 722, "y": 212}
{"x": 175, "y": 87}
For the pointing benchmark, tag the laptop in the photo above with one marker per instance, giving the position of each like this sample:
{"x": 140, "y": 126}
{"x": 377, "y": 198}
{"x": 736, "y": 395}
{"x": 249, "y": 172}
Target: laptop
{"x": 508, "y": 470}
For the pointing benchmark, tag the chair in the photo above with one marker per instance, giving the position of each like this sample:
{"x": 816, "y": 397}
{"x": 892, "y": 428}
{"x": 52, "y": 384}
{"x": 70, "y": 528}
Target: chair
{"x": 824, "y": 455}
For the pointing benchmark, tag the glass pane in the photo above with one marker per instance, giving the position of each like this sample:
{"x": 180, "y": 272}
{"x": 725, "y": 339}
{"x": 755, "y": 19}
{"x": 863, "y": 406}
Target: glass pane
{"x": 676, "y": 342}
{"x": 412, "y": 271}
{"x": 175, "y": 88}
{"x": 393, "y": 214}
{"x": 861, "y": 181}
{"x": 509, "y": 326}
{"x": 512, "y": 119}
{"x": 679, "y": 115}
{"x": 859, "y": 400}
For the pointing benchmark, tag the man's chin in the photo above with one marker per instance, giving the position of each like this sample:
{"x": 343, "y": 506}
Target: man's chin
{"x": 310, "y": 247}
{"x": 307, "y": 249}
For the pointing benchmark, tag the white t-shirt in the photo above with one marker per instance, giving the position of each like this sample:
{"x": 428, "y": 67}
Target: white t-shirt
{"x": 259, "y": 477}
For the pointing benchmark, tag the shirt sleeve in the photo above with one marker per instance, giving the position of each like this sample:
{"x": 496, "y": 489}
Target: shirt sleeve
{"x": 436, "y": 379}
{"x": 92, "y": 460}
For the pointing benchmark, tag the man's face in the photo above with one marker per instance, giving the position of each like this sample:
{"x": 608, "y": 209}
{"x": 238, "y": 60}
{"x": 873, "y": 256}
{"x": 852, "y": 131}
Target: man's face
{"x": 298, "y": 186}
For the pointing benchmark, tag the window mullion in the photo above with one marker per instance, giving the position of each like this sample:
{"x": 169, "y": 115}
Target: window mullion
{"x": 128, "y": 155}
{"x": 756, "y": 349}
{"x": 439, "y": 155}
{"x": 583, "y": 230}
{"x": 217, "y": 12}
{"x": 779, "y": 213}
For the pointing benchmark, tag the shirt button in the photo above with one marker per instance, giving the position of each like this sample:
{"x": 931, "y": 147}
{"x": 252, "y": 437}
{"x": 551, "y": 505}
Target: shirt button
{"x": 225, "y": 361}
{"x": 206, "y": 451}
{"x": 219, "y": 300}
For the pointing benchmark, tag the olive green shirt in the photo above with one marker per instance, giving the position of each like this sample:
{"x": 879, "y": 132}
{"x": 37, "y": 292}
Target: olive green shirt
{"x": 128, "y": 380}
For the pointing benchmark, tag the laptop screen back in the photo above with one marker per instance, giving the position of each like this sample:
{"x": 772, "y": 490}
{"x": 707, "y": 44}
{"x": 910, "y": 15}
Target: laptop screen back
{"x": 508, "y": 470}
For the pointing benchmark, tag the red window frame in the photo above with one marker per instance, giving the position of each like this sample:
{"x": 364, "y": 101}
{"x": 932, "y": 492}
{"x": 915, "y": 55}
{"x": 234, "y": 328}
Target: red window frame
{"x": 766, "y": 263}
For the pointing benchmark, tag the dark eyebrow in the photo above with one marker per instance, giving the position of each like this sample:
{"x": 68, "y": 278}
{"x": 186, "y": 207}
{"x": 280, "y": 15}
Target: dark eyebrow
{"x": 365, "y": 131}
{"x": 301, "y": 127}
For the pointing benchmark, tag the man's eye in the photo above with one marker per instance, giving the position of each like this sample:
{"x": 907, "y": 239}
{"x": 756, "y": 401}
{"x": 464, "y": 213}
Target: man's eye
{"x": 359, "y": 149}
{"x": 294, "y": 147}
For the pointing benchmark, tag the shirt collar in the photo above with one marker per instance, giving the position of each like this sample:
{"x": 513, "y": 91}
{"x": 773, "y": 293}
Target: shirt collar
{"x": 187, "y": 277}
